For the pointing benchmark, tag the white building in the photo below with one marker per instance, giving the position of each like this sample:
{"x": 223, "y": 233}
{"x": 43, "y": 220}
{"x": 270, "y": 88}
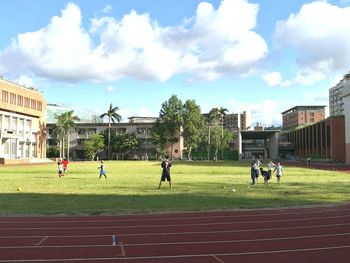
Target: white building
{"x": 22, "y": 123}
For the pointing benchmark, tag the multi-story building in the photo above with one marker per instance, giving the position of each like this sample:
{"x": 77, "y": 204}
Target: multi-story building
{"x": 237, "y": 121}
{"x": 22, "y": 123}
{"x": 141, "y": 126}
{"x": 302, "y": 115}
{"x": 336, "y": 94}
{"x": 346, "y": 100}
{"x": 339, "y": 104}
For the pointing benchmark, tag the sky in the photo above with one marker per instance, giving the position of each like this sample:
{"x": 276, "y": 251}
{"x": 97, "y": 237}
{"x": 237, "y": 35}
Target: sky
{"x": 259, "y": 56}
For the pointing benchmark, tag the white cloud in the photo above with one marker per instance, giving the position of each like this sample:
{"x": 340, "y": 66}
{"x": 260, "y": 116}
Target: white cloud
{"x": 272, "y": 79}
{"x": 214, "y": 43}
{"x": 25, "y": 80}
{"x": 107, "y": 9}
{"x": 318, "y": 35}
{"x": 110, "y": 89}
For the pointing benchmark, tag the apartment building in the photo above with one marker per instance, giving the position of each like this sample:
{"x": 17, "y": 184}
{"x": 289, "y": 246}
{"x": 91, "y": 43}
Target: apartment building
{"x": 302, "y": 115}
{"x": 237, "y": 121}
{"x": 22, "y": 123}
{"x": 336, "y": 94}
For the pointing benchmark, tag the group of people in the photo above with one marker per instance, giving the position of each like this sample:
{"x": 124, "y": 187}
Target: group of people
{"x": 62, "y": 165}
{"x": 256, "y": 169}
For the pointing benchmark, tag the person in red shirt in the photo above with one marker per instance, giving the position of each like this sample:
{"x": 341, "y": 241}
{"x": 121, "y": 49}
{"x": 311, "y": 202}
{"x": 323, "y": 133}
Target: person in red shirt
{"x": 65, "y": 163}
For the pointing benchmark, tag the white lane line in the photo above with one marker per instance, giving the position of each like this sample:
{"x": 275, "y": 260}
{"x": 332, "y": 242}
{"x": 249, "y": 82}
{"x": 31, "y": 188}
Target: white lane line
{"x": 181, "y": 256}
{"x": 185, "y": 242}
{"x": 179, "y": 225}
{"x": 217, "y": 259}
{"x": 41, "y": 241}
{"x": 333, "y": 210}
{"x": 189, "y": 232}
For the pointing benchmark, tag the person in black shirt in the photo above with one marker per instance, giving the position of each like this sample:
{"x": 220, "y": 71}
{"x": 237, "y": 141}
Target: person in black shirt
{"x": 166, "y": 164}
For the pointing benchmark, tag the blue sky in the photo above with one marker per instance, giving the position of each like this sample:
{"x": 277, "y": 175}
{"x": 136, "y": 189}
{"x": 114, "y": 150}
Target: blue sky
{"x": 259, "y": 56}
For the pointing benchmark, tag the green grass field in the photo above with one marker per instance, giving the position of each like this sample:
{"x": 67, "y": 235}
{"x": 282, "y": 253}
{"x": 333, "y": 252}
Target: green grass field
{"x": 131, "y": 187}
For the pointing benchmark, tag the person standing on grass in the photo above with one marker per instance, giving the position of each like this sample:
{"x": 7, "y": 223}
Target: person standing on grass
{"x": 65, "y": 163}
{"x": 252, "y": 171}
{"x": 60, "y": 168}
{"x": 102, "y": 170}
{"x": 166, "y": 164}
{"x": 279, "y": 171}
{"x": 270, "y": 165}
{"x": 256, "y": 169}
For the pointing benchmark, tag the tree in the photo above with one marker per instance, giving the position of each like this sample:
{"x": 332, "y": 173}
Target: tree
{"x": 64, "y": 123}
{"x": 68, "y": 123}
{"x": 122, "y": 143}
{"x": 219, "y": 139}
{"x": 60, "y": 132}
{"x": 216, "y": 118}
{"x": 93, "y": 145}
{"x": 192, "y": 127}
{"x": 113, "y": 116}
{"x": 166, "y": 130}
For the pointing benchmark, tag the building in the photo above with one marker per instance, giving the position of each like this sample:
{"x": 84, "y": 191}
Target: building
{"x": 339, "y": 105}
{"x": 302, "y": 115}
{"x": 322, "y": 140}
{"x": 336, "y": 94}
{"x": 141, "y": 126}
{"x": 346, "y": 100}
{"x": 22, "y": 123}
{"x": 237, "y": 121}
{"x": 259, "y": 144}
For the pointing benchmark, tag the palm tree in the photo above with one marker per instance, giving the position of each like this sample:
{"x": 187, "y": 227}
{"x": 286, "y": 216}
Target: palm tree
{"x": 60, "y": 132}
{"x": 113, "y": 116}
{"x": 69, "y": 122}
{"x": 64, "y": 123}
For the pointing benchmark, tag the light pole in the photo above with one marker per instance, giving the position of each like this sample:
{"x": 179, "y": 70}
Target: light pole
{"x": 222, "y": 136}
{"x": 208, "y": 142}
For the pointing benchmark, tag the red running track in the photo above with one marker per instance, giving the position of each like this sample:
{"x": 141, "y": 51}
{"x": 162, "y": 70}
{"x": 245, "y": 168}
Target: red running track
{"x": 318, "y": 234}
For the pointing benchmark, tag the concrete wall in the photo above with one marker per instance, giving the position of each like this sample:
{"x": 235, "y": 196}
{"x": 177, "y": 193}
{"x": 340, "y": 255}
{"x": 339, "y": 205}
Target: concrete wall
{"x": 346, "y": 100}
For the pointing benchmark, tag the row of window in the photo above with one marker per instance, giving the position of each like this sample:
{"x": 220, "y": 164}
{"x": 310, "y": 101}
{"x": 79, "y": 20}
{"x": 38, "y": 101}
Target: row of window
{"x": 15, "y": 124}
{"x": 19, "y": 100}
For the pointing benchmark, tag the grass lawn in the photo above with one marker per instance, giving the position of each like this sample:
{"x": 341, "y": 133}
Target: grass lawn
{"x": 131, "y": 187}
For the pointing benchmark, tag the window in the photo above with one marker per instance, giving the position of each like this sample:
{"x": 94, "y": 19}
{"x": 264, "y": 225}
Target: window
{"x": 33, "y": 104}
{"x": 27, "y": 102}
{"x": 19, "y": 100}
{"x": 12, "y": 98}
{"x": 39, "y": 106}
{"x": 4, "y": 96}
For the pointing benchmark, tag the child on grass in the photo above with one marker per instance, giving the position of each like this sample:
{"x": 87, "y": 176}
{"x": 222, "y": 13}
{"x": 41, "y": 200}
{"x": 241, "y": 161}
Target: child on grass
{"x": 102, "y": 170}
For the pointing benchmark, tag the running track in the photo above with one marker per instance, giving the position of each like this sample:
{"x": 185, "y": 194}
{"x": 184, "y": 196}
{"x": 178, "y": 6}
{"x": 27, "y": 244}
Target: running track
{"x": 318, "y": 234}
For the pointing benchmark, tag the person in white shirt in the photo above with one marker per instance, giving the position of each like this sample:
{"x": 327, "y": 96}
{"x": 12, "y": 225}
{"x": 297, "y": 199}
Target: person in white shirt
{"x": 279, "y": 171}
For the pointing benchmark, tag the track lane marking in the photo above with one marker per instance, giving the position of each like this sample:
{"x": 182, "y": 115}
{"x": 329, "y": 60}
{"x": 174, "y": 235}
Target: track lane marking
{"x": 217, "y": 259}
{"x": 181, "y": 256}
{"x": 122, "y": 249}
{"x": 189, "y": 232}
{"x": 186, "y": 243}
{"x": 180, "y": 225}
{"x": 40, "y": 242}
{"x": 180, "y": 218}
